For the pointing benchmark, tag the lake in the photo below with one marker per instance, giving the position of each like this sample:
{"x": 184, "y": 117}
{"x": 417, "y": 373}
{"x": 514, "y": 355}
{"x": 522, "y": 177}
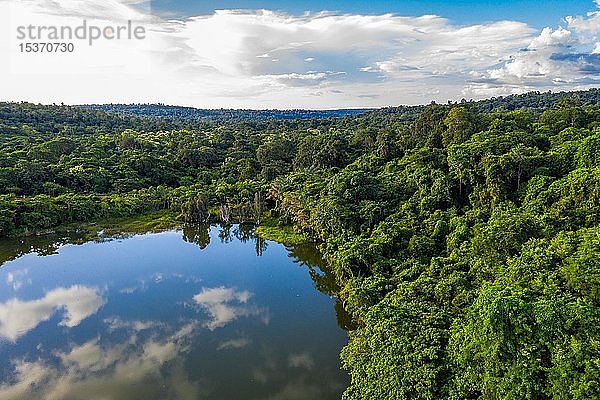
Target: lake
{"x": 199, "y": 313}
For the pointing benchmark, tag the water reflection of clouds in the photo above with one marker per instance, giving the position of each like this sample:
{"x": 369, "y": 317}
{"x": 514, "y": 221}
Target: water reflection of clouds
{"x": 225, "y": 305}
{"x": 301, "y": 360}
{"x": 293, "y": 377}
{"x": 143, "y": 284}
{"x": 17, "y": 278}
{"x": 116, "y": 323}
{"x": 136, "y": 347}
{"x": 301, "y": 388}
{"x": 232, "y": 344}
{"x": 132, "y": 370}
{"x": 78, "y": 302}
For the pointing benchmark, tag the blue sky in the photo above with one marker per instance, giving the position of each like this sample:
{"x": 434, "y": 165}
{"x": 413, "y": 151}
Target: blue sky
{"x": 272, "y": 54}
{"x": 537, "y": 13}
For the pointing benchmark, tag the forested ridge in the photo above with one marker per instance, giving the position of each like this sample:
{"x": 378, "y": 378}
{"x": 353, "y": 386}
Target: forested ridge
{"x": 465, "y": 237}
{"x": 534, "y": 101}
{"x": 219, "y": 115}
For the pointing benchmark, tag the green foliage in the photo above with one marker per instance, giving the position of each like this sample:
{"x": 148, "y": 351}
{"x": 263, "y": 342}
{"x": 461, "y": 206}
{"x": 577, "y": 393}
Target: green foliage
{"x": 465, "y": 238}
{"x": 272, "y": 230}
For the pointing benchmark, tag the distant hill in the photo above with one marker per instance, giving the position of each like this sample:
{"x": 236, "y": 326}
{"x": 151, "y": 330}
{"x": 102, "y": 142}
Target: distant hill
{"x": 534, "y": 101}
{"x": 220, "y": 115}
{"x": 16, "y": 118}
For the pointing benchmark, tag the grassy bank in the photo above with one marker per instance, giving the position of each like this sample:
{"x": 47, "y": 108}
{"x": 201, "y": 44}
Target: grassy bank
{"x": 151, "y": 222}
{"x": 271, "y": 230}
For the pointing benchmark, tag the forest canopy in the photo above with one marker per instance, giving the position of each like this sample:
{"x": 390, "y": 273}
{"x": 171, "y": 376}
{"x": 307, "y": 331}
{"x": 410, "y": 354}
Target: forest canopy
{"x": 465, "y": 237}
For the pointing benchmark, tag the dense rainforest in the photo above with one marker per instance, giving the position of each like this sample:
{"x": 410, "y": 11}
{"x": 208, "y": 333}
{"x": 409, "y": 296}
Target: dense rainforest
{"x": 465, "y": 237}
{"x": 220, "y": 115}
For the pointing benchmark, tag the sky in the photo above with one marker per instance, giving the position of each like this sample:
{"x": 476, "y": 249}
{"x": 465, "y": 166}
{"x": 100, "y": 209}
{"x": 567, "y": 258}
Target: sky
{"x": 538, "y": 13}
{"x": 310, "y": 54}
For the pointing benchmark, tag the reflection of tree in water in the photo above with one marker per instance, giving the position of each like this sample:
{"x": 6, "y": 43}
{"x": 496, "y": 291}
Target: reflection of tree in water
{"x": 198, "y": 234}
{"x": 343, "y": 317}
{"x": 308, "y": 255}
{"x": 244, "y": 232}
{"x": 11, "y": 249}
{"x": 225, "y": 233}
{"x": 260, "y": 245}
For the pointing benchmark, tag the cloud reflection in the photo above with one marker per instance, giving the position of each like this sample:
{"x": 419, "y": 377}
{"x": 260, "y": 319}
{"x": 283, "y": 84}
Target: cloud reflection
{"x": 116, "y": 323}
{"x": 18, "y": 317}
{"x": 225, "y": 305}
{"x": 16, "y": 279}
{"x": 133, "y": 370}
{"x": 295, "y": 377}
{"x": 234, "y": 344}
{"x": 301, "y": 360}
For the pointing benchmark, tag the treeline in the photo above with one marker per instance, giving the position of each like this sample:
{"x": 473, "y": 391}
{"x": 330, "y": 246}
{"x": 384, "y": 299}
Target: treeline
{"x": 219, "y": 115}
{"x": 466, "y": 241}
{"x": 32, "y": 119}
{"x": 533, "y": 101}
{"x": 241, "y": 203}
{"x": 468, "y": 249}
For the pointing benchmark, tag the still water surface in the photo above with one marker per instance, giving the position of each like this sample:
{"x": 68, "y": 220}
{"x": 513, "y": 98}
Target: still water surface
{"x": 199, "y": 313}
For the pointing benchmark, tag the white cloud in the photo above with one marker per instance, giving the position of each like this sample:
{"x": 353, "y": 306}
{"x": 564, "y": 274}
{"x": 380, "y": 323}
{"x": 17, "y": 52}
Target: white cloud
{"x": 535, "y": 61}
{"x": 556, "y": 58}
{"x": 552, "y": 38}
{"x": 227, "y": 59}
{"x": 225, "y": 305}
{"x": 562, "y": 58}
{"x": 588, "y": 24}
{"x": 18, "y": 317}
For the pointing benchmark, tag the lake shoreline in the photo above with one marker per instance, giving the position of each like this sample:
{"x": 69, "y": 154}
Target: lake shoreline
{"x": 160, "y": 221}
{"x": 211, "y": 307}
